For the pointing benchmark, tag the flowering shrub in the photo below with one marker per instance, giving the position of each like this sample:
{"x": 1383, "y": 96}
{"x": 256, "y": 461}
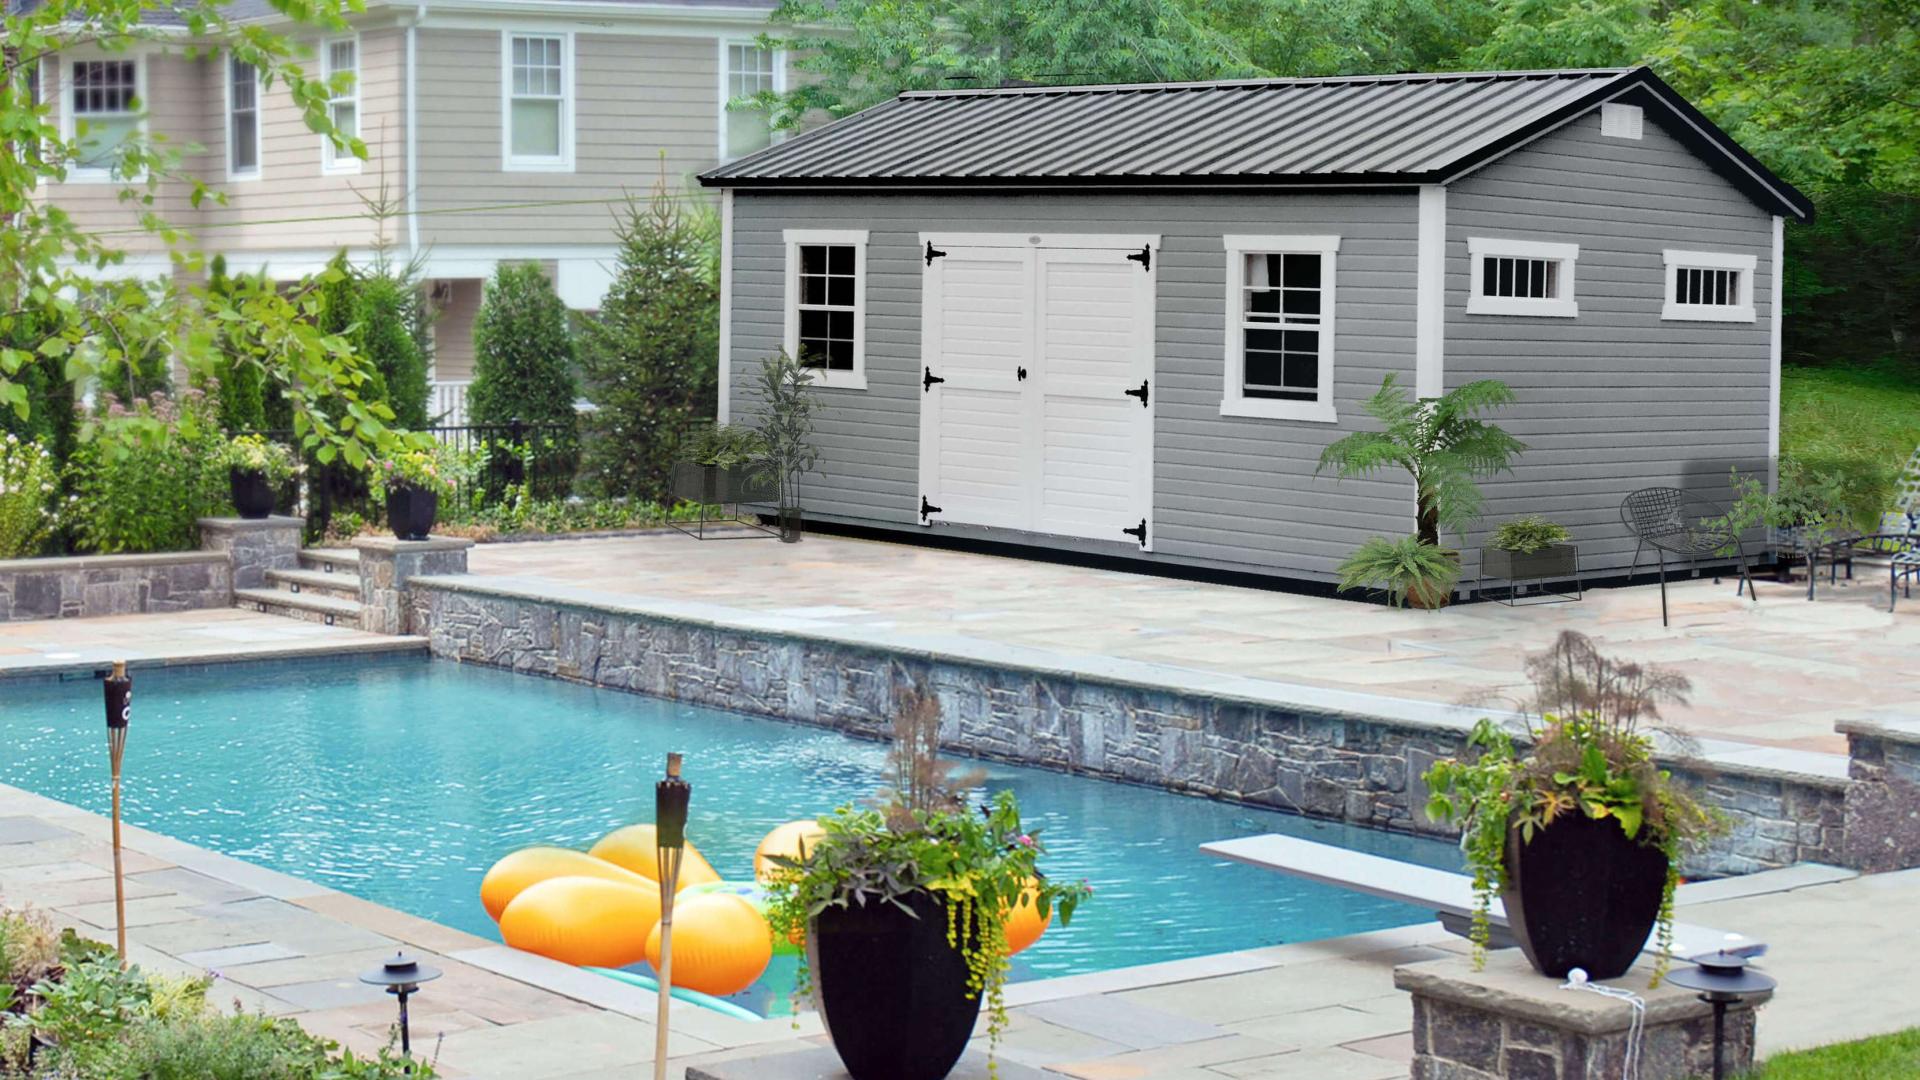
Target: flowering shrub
{"x": 145, "y": 494}
{"x": 253, "y": 453}
{"x": 29, "y": 511}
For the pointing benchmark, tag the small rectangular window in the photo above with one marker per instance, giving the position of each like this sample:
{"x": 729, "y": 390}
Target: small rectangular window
{"x": 749, "y": 71}
{"x": 1279, "y": 362}
{"x": 105, "y": 99}
{"x": 343, "y": 109}
{"x": 826, "y": 304}
{"x": 1521, "y": 277}
{"x": 243, "y": 119}
{"x": 1705, "y": 286}
{"x": 538, "y": 124}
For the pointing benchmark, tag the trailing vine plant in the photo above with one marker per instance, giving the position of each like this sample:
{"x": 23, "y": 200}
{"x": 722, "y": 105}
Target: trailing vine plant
{"x": 1586, "y": 755}
{"x": 925, "y": 834}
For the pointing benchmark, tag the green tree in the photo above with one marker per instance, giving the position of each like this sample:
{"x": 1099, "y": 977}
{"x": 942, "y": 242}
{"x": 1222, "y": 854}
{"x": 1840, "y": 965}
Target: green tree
{"x": 522, "y": 352}
{"x": 649, "y": 358}
{"x": 383, "y": 335}
{"x": 237, "y": 379}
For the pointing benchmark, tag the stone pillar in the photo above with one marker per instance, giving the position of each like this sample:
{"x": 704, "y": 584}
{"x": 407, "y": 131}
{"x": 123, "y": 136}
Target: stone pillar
{"x": 254, "y": 547}
{"x": 385, "y": 566}
{"x": 1511, "y": 1021}
{"x": 1883, "y": 797}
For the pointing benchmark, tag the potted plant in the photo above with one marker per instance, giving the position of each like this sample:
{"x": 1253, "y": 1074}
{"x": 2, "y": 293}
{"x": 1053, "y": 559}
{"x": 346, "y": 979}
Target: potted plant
{"x": 1530, "y": 548}
{"x": 1580, "y": 833}
{"x": 414, "y": 480}
{"x": 717, "y": 468}
{"x": 1410, "y": 570}
{"x": 786, "y": 423}
{"x": 1805, "y": 510}
{"x": 256, "y": 471}
{"x": 903, "y": 909}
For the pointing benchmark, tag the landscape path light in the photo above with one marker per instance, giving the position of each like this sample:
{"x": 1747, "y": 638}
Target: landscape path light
{"x": 670, "y": 797}
{"x": 1723, "y": 979}
{"x": 119, "y": 688}
{"x": 402, "y": 976}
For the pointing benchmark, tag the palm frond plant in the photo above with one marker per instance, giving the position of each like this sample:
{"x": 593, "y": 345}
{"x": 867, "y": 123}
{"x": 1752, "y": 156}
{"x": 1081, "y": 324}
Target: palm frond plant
{"x": 1442, "y": 443}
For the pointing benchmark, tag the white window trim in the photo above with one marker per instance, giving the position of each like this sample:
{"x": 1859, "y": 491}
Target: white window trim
{"x": 509, "y": 161}
{"x": 1673, "y": 309}
{"x": 259, "y": 106}
{"x": 1565, "y": 306}
{"x": 334, "y": 162}
{"x": 837, "y": 380}
{"x": 69, "y": 120}
{"x": 779, "y": 87}
{"x": 1233, "y": 401}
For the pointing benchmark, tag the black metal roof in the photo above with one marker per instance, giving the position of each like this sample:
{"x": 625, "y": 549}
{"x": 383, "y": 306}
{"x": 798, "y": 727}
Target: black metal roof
{"x": 1384, "y": 129}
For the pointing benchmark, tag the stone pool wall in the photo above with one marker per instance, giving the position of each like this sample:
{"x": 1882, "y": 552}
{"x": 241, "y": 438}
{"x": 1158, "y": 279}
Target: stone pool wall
{"x": 85, "y": 586}
{"x": 1340, "y": 766}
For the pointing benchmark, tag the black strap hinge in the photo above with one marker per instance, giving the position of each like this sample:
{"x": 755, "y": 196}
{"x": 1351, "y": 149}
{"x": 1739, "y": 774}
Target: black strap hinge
{"x": 1139, "y": 533}
{"x": 926, "y": 383}
{"x": 926, "y": 509}
{"x": 1144, "y": 257}
{"x": 934, "y": 253}
{"x": 1140, "y": 392}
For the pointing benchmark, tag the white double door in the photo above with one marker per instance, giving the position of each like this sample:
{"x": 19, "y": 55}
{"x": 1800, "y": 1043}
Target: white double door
{"x": 1036, "y": 390}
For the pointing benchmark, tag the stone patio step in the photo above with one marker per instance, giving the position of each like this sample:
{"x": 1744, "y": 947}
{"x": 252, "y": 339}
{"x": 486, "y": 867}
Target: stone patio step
{"x": 330, "y": 560}
{"x": 341, "y": 585}
{"x": 310, "y": 607}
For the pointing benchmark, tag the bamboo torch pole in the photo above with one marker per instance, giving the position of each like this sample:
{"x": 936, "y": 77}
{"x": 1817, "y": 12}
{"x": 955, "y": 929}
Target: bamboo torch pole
{"x": 119, "y": 711}
{"x": 670, "y": 798}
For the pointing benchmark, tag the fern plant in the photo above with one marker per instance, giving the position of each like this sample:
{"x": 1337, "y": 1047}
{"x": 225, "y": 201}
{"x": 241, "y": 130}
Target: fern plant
{"x": 1526, "y": 535}
{"x": 1407, "y": 567}
{"x": 1442, "y": 443}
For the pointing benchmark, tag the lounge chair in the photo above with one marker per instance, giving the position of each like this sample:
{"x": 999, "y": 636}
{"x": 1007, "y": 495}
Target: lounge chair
{"x": 1673, "y": 522}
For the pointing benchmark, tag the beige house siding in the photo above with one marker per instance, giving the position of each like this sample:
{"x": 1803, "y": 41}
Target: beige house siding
{"x": 635, "y": 97}
{"x": 453, "y": 331}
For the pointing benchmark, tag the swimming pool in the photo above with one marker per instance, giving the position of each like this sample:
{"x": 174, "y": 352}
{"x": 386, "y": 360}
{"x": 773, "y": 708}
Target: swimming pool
{"x": 401, "y": 780}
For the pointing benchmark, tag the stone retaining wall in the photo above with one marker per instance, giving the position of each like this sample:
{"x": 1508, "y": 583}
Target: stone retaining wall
{"x": 91, "y": 585}
{"x": 1883, "y": 802}
{"x": 1346, "y": 767}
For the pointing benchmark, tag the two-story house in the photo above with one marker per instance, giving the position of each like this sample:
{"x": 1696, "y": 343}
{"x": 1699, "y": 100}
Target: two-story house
{"x": 498, "y": 130}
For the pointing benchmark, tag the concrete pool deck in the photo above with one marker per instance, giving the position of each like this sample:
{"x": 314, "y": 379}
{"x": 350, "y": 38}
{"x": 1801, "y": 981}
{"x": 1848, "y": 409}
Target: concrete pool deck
{"x": 1326, "y": 1010}
{"x": 1775, "y": 674}
{"x": 215, "y": 635}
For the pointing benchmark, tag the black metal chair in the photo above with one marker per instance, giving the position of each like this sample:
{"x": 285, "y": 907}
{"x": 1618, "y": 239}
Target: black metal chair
{"x": 1673, "y": 522}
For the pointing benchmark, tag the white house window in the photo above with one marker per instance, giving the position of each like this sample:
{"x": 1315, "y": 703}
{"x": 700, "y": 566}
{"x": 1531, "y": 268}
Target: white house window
{"x": 1707, "y": 286}
{"x": 338, "y": 56}
{"x": 1279, "y": 340}
{"x": 105, "y": 100}
{"x": 243, "y": 120}
{"x": 826, "y": 304}
{"x": 539, "y": 83}
{"x": 748, "y": 70}
{"x": 1521, "y": 277}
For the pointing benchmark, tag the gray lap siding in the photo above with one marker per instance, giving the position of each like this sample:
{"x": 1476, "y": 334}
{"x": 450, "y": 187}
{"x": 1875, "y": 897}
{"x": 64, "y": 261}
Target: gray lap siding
{"x": 1616, "y": 398}
{"x": 1229, "y": 492}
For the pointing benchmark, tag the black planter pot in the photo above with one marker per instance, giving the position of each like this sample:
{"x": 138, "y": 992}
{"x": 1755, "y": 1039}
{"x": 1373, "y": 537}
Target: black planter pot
{"x": 793, "y": 524}
{"x": 252, "y": 495}
{"x": 411, "y": 511}
{"x": 1581, "y": 894}
{"x": 891, "y": 990}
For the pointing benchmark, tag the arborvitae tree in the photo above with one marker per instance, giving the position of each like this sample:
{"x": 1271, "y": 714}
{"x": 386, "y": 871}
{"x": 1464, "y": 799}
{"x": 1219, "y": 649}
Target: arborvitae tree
{"x": 238, "y": 380}
{"x": 522, "y": 352}
{"x": 649, "y": 358}
{"x": 383, "y": 335}
{"x": 52, "y": 419}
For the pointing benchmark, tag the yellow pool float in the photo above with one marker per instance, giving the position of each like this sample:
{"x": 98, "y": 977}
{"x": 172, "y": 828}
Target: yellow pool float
{"x": 514, "y": 873}
{"x": 635, "y": 848}
{"x": 586, "y": 921}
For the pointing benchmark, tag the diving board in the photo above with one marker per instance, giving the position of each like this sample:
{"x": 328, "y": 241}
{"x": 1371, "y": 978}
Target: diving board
{"x": 1448, "y": 895}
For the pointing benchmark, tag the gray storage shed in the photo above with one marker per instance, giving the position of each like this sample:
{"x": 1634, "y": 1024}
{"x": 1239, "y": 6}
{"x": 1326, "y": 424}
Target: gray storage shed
{"x": 1125, "y": 320}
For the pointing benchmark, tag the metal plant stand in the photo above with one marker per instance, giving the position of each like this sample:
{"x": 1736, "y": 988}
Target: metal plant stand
{"x": 1553, "y": 565}
{"x": 724, "y": 489}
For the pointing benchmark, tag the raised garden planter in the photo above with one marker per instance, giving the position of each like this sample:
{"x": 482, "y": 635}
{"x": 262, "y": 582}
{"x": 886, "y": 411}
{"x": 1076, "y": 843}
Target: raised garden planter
{"x": 720, "y": 491}
{"x": 1558, "y": 563}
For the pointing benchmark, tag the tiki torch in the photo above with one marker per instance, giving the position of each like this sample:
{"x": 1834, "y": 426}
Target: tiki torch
{"x": 119, "y": 710}
{"x": 670, "y": 845}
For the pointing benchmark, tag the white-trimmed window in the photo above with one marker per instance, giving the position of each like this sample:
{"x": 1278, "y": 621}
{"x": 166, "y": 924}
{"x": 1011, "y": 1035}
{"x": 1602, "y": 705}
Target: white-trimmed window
{"x": 1708, "y": 286}
{"x": 243, "y": 120}
{"x": 338, "y": 55}
{"x": 1280, "y": 304}
{"x": 104, "y": 110}
{"x": 827, "y": 304}
{"x": 1521, "y": 277}
{"x": 746, "y": 69}
{"x": 537, "y": 107}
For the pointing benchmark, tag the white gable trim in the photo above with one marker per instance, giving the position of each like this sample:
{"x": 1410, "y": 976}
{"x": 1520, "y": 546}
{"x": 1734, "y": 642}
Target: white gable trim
{"x": 1430, "y": 303}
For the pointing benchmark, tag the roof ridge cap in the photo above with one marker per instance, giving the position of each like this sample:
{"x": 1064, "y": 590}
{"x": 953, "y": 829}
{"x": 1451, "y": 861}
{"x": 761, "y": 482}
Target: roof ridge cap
{"x": 1267, "y": 83}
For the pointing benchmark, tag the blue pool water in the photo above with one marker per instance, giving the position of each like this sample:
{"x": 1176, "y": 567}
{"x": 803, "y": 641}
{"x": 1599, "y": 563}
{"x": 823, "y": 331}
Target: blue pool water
{"x": 401, "y": 781}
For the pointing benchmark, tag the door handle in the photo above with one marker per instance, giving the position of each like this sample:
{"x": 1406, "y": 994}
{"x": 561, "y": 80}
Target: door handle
{"x": 1140, "y": 392}
{"x": 926, "y": 384}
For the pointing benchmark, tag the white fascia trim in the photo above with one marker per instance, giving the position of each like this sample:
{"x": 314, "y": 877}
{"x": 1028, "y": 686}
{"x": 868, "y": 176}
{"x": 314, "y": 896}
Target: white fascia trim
{"x": 602, "y": 9}
{"x": 259, "y": 106}
{"x": 724, "y": 408}
{"x": 564, "y": 162}
{"x": 1774, "y": 328}
{"x": 1430, "y": 294}
{"x": 1043, "y": 240}
{"x": 790, "y": 338}
{"x": 331, "y": 161}
{"x": 452, "y": 262}
{"x": 1672, "y": 310}
{"x": 142, "y": 58}
{"x": 1233, "y": 401}
{"x": 1562, "y": 307}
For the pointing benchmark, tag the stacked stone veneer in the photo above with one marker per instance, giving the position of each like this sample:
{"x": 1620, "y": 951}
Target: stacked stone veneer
{"x": 386, "y": 565}
{"x": 1352, "y": 768}
{"x": 1883, "y": 800}
{"x": 254, "y": 546}
{"x": 91, "y": 585}
{"x": 1509, "y": 1021}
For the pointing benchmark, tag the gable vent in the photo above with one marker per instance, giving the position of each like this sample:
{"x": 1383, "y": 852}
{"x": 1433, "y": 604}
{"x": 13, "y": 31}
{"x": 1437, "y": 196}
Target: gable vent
{"x": 1621, "y": 121}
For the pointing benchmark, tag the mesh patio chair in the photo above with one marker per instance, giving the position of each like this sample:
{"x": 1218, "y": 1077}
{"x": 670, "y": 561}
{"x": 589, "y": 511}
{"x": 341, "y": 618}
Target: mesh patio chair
{"x": 1673, "y": 522}
{"x": 1898, "y": 540}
